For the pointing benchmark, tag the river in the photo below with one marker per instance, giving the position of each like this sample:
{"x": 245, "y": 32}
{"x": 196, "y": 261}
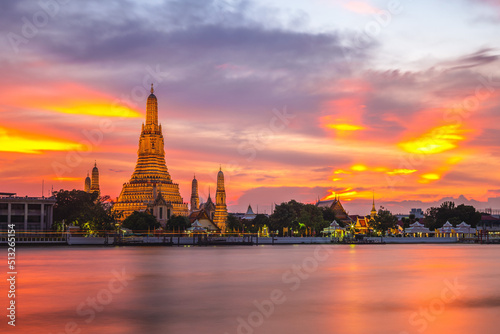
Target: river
{"x": 346, "y": 289}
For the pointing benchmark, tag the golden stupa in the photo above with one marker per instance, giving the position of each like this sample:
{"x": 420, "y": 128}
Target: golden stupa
{"x": 220, "y": 215}
{"x": 151, "y": 184}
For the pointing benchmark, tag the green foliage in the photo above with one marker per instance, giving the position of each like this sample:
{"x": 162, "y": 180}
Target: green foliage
{"x": 304, "y": 218}
{"x": 383, "y": 221}
{"x": 178, "y": 223}
{"x": 436, "y": 217}
{"x": 87, "y": 210}
{"x": 254, "y": 225}
{"x": 233, "y": 223}
{"x": 141, "y": 221}
{"x": 328, "y": 215}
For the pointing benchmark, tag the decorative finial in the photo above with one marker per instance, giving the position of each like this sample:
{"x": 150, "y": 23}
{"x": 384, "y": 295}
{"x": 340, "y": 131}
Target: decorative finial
{"x": 95, "y": 163}
{"x": 220, "y": 168}
{"x": 152, "y": 89}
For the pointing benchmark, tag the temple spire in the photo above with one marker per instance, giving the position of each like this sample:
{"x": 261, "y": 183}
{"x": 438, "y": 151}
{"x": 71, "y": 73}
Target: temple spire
{"x": 373, "y": 213}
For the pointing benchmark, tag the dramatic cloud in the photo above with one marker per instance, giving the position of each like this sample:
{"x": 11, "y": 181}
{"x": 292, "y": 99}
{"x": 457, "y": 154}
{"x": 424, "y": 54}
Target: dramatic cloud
{"x": 309, "y": 100}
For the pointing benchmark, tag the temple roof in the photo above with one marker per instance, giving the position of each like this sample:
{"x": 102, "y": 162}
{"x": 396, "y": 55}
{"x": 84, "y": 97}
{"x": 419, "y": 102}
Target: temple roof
{"x": 249, "y": 210}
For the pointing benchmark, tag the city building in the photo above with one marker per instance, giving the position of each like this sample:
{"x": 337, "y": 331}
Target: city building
{"x": 27, "y": 213}
{"x": 151, "y": 184}
{"x": 419, "y": 213}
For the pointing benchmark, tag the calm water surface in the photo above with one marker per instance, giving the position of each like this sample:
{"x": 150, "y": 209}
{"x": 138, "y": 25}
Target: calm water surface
{"x": 397, "y": 289}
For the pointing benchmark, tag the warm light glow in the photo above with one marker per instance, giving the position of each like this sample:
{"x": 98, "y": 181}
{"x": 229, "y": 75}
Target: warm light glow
{"x": 359, "y": 168}
{"x": 106, "y": 110}
{"x": 431, "y": 176}
{"x": 22, "y": 143}
{"x": 344, "y": 127}
{"x": 402, "y": 171}
{"x": 437, "y": 140}
{"x": 341, "y": 171}
{"x": 66, "y": 178}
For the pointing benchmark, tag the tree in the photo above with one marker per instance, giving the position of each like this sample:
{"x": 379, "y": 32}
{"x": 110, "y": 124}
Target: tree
{"x": 178, "y": 223}
{"x": 328, "y": 215}
{"x": 304, "y": 218}
{"x": 383, "y": 221}
{"x": 313, "y": 218}
{"x": 254, "y": 225}
{"x": 87, "y": 210}
{"x": 283, "y": 216}
{"x": 233, "y": 223}
{"x": 436, "y": 217}
{"x": 141, "y": 221}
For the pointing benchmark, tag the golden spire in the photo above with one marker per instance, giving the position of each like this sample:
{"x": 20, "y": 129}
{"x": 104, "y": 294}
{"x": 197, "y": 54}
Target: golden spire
{"x": 373, "y": 213}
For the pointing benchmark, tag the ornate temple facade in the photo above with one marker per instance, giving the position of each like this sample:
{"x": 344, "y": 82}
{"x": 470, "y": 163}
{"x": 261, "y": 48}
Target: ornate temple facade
{"x": 220, "y": 215}
{"x": 95, "y": 180}
{"x": 92, "y": 185}
{"x": 195, "y": 199}
{"x": 88, "y": 184}
{"x": 340, "y": 214}
{"x": 215, "y": 212}
{"x": 151, "y": 187}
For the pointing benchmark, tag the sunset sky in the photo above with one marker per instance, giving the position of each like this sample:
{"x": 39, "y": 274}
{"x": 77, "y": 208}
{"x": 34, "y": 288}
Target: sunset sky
{"x": 294, "y": 99}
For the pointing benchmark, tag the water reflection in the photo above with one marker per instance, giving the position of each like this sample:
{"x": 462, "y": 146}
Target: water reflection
{"x": 338, "y": 289}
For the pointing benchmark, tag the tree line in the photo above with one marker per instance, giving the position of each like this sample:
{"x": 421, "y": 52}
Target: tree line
{"x": 94, "y": 214}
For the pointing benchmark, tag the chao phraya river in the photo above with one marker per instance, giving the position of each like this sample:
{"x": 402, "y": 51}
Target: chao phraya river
{"x": 360, "y": 289}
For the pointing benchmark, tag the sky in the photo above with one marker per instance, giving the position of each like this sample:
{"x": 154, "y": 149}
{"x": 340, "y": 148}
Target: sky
{"x": 292, "y": 99}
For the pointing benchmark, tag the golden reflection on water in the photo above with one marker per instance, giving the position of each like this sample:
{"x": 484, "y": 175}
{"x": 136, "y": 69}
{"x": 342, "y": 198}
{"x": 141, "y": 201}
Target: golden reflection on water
{"x": 361, "y": 289}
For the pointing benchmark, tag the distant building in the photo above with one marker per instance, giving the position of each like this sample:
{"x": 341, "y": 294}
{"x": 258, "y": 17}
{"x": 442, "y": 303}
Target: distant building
{"x": 204, "y": 220}
{"x": 195, "y": 199}
{"x": 249, "y": 215}
{"x": 88, "y": 184}
{"x": 373, "y": 213}
{"x": 489, "y": 223}
{"x": 335, "y": 205}
{"x": 417, "y": 212}
{"x": 361, "y": 224}
{"x": 27, "y": 213}
{"x": 208, "y": 207}
{"x": 94, "y": 187}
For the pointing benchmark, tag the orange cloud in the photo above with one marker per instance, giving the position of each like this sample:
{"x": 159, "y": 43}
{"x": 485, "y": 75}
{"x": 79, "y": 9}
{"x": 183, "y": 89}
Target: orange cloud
{"x": 359, "y": 168}
{"x": 437, "y": 140}
{"x": 402, "y": 171}
{"x": 16, "y": 141}
{"x": 66, "y": 97}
